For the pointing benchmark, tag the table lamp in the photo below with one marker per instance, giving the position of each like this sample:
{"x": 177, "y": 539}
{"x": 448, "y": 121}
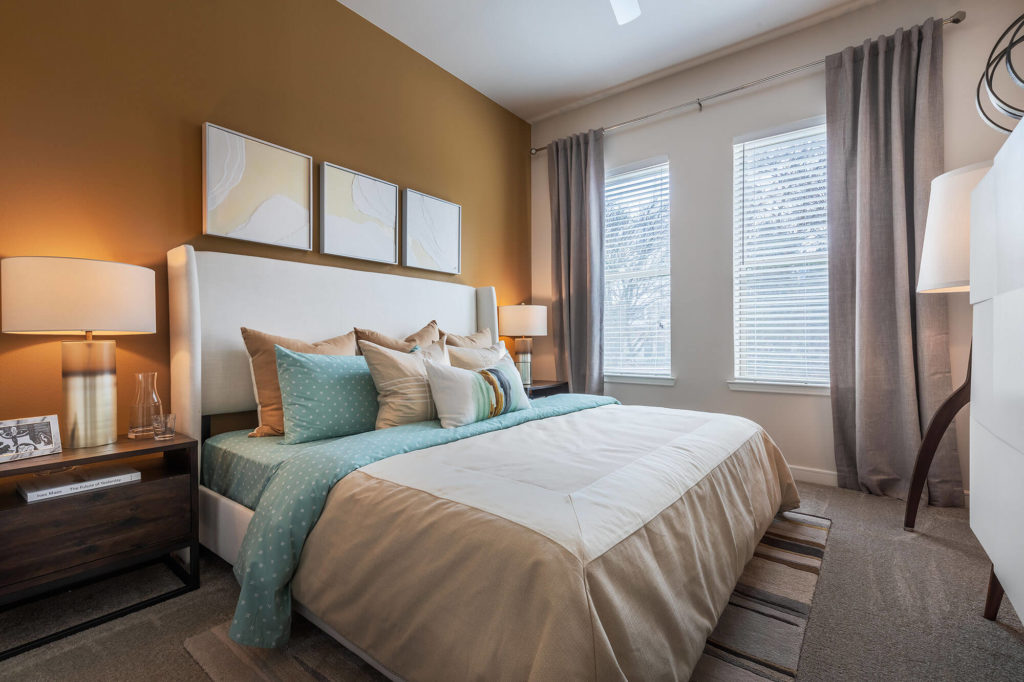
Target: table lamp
{"x": 945, "y": 268}
{"x": 523, "y": 321}
{"x": 66, "y": 296}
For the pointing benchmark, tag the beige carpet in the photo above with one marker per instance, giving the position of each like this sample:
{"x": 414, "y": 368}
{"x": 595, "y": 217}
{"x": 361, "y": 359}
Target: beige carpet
{"x": 759, "y": 635}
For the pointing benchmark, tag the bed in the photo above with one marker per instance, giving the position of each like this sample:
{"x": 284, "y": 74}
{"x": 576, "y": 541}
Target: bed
{"x": 581, "y": 539}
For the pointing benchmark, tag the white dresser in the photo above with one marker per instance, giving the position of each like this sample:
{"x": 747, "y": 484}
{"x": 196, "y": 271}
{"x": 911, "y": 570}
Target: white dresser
{"x": 997, "y": 392}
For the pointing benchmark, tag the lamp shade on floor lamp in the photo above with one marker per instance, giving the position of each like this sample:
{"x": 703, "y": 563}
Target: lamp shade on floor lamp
{"x": 945, "y": 255}
{"x": 71, "y": 296}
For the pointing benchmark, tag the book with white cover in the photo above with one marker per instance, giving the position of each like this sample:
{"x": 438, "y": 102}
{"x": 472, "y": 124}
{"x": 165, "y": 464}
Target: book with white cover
{"x": 47, "y": 486}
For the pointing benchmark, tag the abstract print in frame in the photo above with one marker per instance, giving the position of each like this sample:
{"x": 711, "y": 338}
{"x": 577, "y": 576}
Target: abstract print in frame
{"x": 433, "y": 233}
{"x": 256, "y": 191}
{"x": 358, "y": 215}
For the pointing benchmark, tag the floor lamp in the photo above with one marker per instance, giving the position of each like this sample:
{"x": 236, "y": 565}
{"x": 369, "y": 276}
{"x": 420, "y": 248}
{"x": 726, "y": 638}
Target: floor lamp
{"x": 945, "y": 268}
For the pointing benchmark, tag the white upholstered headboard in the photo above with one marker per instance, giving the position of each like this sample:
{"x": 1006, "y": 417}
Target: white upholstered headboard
{"x": 213, "y": 294}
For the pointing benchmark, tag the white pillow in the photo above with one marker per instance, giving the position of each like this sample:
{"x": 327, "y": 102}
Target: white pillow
{"x": 476, "y": 358}
{"x": 403, "y": 394}
{"x": 465, "y": 396}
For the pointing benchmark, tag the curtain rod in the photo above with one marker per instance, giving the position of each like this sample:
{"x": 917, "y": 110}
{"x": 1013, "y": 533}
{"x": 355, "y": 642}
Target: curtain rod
{"x": 699, "y": 102}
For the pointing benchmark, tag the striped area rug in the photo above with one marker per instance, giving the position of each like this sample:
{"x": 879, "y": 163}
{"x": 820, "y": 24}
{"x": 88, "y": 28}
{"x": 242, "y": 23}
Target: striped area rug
{"x": 761, "y": 631}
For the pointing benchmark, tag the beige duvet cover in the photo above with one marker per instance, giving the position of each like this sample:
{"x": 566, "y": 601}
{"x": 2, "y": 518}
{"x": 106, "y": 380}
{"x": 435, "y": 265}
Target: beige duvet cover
{"x": 601, "y": 544}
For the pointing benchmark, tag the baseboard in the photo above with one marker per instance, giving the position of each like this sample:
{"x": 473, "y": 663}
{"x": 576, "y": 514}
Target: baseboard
{"x": 830, "y": 478}
{"x": 812, "y": 475}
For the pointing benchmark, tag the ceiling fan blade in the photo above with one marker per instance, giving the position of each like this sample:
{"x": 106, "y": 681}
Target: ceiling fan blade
{"x": 625, "y": 10}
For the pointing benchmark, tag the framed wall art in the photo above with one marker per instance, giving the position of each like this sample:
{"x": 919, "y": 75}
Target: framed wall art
{"x": 432, "y": 230}
{"x": 256, "y": 191}
{"x": 358, "y": 215}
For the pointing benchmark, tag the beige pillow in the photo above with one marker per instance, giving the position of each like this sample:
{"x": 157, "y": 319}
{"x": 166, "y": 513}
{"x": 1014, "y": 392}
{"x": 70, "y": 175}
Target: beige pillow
{"x": 481, "y": 339}
{"x": 422, "y": 338}
{"x": 263, "y": 362}
{"x": 403, "y": 392}
{"x": 476, "y": 358}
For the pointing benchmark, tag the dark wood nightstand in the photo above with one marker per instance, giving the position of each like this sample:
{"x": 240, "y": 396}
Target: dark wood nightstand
{"x": 543, "y": 387}
{"x": 54, "y": 543}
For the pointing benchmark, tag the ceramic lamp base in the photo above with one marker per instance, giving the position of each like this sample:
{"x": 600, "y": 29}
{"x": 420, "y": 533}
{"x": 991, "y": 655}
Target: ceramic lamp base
{"x": 524, "y": 359}
{"x": 90, "y": 393}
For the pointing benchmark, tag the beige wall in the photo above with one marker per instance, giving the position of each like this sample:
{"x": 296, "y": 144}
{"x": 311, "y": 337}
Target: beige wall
{"x": 100, "y": 147}
{"x": 699, "y": 147}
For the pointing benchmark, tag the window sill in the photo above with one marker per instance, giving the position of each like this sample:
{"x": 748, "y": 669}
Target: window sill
{"x": 650, "y": 380}
{"x": 776, "y": 387}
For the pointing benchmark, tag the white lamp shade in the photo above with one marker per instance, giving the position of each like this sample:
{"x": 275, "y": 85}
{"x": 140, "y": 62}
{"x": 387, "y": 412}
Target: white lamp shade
{"x": 42, "y": 295}
{"x": 523, "y": 320}
{"x": 946, "y": 255}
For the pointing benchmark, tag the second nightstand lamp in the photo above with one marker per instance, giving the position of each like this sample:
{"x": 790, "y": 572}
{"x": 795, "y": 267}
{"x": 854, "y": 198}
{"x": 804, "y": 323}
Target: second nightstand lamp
{"x": 523, "y": 322}
{"x": 65, "y": 296}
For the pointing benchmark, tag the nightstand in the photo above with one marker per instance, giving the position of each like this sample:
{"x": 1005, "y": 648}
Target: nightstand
{"x": 544, "y": 387}
{"x": 55, "y": 543}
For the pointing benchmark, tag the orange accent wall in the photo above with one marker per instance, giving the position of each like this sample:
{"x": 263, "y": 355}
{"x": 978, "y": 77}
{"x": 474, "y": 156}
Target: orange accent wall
{"x": 100, "y": 144}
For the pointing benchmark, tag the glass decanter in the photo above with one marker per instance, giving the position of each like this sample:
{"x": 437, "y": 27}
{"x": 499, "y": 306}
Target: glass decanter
{"x": 147, "y": 405}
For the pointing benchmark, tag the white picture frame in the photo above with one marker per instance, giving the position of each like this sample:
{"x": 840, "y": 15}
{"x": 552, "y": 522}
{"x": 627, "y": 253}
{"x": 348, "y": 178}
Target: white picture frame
{"x": 256, "y": 191}
{"x": 29, "y": 437}
{"x": 358, "y": 215}
{"x": 431, "y": 233}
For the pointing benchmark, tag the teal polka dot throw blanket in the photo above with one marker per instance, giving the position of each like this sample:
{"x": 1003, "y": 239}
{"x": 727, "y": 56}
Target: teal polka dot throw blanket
{"x": 294, "y": 497}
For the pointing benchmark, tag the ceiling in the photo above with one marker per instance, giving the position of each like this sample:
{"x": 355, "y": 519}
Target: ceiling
{"x": 537, "y": 57}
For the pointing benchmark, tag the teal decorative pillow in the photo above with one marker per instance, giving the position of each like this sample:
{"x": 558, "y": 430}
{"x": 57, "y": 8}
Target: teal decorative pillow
{"x": 464, "y": 396}
{"x": 325, "y": 396}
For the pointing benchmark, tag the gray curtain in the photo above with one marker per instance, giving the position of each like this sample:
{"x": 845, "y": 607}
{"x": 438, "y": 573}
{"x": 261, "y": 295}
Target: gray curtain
{"x": 889, "y": 346}
{"x": 576, "y": 181}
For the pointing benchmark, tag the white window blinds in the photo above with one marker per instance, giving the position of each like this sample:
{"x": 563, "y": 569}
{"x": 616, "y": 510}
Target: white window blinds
{"x": 780, "y": 259}
{"x": 637, "y": 279}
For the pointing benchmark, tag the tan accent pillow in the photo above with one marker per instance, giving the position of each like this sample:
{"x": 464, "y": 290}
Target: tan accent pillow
{"x": 263, "y": 361}
{"x": 403, "y": 392}
{"x": 422, "y": 338}
{"x": 476, "y": 358}
{"x": 481, "y": 339}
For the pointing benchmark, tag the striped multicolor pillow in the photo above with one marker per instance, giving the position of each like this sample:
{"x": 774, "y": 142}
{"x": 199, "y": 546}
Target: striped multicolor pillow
{"x": 464, "y": 396}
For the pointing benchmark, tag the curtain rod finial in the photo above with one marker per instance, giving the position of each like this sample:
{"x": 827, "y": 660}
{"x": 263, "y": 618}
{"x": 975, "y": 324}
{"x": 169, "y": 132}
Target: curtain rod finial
{"x": 958, "y": 17}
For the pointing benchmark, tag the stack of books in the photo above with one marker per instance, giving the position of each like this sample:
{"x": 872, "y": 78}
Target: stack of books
{"x": 48, "y": 486}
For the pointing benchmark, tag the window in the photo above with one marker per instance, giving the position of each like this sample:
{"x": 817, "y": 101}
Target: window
{"x": 780, "y": 259}
{"x": 637, "y": 280}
